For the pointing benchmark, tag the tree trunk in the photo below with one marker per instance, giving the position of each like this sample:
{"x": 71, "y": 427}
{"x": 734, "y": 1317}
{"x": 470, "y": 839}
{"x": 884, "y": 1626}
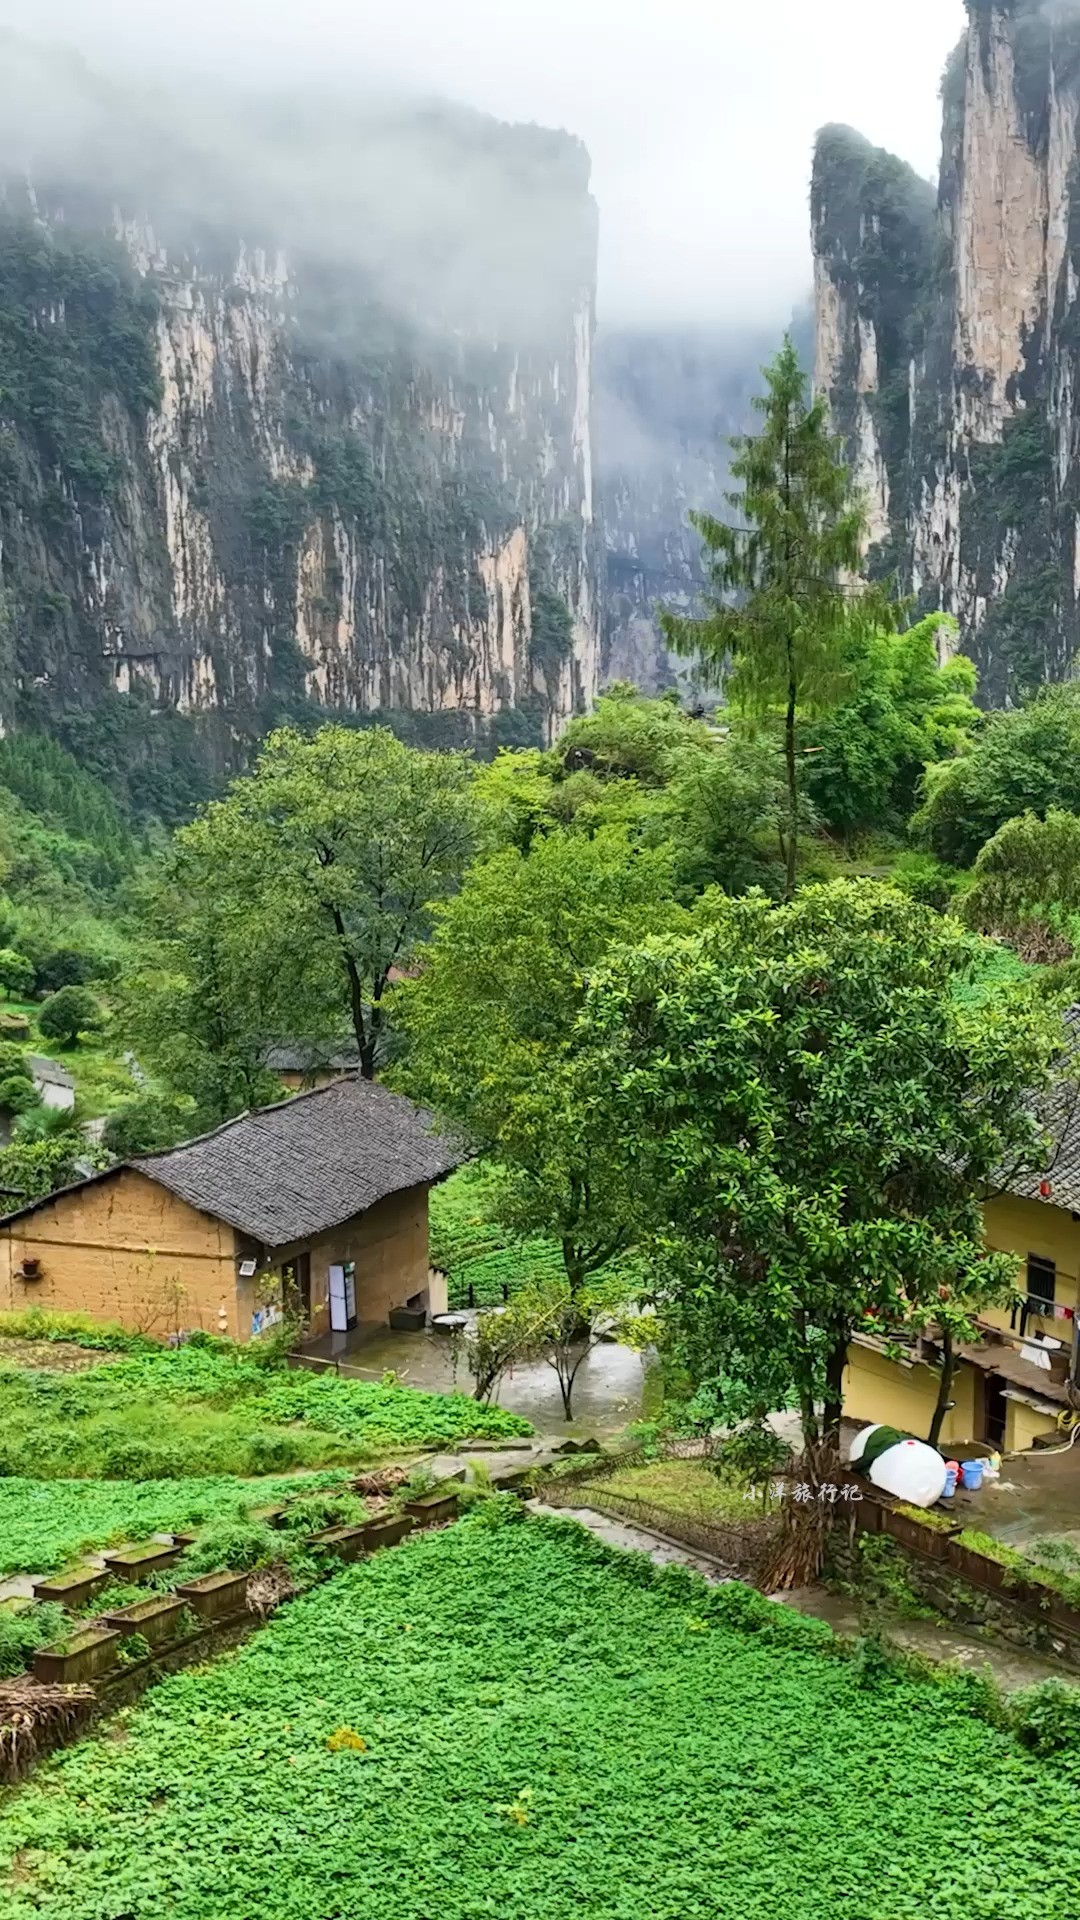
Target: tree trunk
{"x": 792, "y": 781}
{"x": 365, "y": 1041}
{"x": 566, "y": 1388}
{"x": 948, "y": 1372}
{"x": 834, "y": 1396}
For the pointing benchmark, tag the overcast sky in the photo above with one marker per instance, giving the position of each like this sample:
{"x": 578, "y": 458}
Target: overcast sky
{"x": 699, "y": 114}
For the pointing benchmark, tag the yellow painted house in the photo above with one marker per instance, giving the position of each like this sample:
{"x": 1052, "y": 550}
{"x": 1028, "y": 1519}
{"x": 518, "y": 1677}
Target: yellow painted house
{"x": 1016, "y": 1383}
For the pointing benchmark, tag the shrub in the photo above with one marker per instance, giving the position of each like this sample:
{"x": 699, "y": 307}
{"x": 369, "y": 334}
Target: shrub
{"x": 14, "y": 1064}
{"x": 18, "y": 1093}
{"x": 22, "y": 1633}
{"x": 150, "y": 1124}
{"x": 273, "y": 1453}
{"x": 754, "y": 1453}
{"x": 238, "y": 1545}
{"x": 16, "y": 973}
{"x": 1046, "y": 1718}
{"x": 68, "y": 1013}
{"x": 60, "y": 967}
{"x": 14, "y": 1026}
{"x": 142, "y": 1460}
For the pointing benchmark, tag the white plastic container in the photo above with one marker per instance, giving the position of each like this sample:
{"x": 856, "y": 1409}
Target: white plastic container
{"x": 910, "y": 1470}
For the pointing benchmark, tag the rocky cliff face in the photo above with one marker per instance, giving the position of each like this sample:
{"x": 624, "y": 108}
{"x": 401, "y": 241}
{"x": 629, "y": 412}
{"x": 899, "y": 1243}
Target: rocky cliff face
{"x": 948, "y": 343}
{"x": 249, "y": 467}
{"x": 666, "y": 406}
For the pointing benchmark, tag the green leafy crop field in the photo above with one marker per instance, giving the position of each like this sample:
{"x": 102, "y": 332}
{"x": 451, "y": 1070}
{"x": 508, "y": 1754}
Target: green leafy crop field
{"x": 207, "y": 1410}
{"x": 484, "y": 1265}
{"x": 509, "y": 1722}
{"x": 44, "y": 1524}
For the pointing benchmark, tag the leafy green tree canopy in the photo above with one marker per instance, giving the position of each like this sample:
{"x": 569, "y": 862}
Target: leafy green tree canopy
{"x": 1026, "y": 883}
{"x": 330, "y": 852}
{"x": 1024, "y": 761}
{"x": 785, "y": 603}
{"x": 491, "y": 1023}
{"x": 904, "y": 712}
{"x": 809, "y": 1114}
{"x": 67, "y": 1014}
{"x": 150, "y": 1124}
{"x": 16, "y": 973}
{"x": 203, "y": 993}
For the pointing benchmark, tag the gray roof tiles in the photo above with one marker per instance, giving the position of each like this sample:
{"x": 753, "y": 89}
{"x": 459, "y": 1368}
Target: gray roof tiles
{"x": 289, "y": 1172}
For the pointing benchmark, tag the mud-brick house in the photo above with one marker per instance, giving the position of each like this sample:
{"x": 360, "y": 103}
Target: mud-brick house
{"x": 1017, "y": 1384}
{"x": 321, "y": 1201}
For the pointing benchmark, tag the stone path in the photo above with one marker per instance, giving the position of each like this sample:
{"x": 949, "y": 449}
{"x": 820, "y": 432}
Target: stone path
{"x": 661, "y": 1551}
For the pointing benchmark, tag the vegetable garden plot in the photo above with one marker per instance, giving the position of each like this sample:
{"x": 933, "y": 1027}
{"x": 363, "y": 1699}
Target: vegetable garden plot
{"x": 208, "y": 1409}
{"x": 44, "y": 1524}
{"x": 506, "y": 1719}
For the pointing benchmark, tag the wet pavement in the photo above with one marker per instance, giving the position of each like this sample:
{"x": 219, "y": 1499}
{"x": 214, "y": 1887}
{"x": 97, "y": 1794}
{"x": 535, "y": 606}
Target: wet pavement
{"x": 607, "y": 1392}
{"x": 662, "y": 1552}
{"x": 1037, "y": 1495}
{"x": 1009, "y": 1665}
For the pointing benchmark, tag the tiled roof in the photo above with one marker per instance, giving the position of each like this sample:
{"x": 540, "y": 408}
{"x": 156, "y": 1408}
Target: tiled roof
{"x": 49, "y": 1072}
{"x": 299, "y": 1058}
{"x": 291, "y": 1171}
{"x": 296, "y": 1169}
{"x": 1060, "y": 1115}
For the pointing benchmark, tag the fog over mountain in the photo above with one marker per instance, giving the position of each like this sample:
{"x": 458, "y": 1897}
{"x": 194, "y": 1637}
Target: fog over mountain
{"x": 699, "y": 116}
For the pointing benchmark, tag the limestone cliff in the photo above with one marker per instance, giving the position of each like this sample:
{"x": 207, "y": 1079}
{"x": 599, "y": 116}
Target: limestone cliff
{"x": 265, "y": 452}
{"x": 948, "y": 343}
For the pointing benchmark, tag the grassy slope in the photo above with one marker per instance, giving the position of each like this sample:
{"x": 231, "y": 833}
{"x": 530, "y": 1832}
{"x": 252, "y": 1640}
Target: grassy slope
{"x": 548, "y": 1730}
{"x": 102, "y": 1081}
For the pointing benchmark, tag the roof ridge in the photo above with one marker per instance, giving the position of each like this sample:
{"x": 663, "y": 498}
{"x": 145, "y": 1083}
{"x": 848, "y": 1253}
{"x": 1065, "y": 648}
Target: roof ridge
{"x": 250, "y": 1113}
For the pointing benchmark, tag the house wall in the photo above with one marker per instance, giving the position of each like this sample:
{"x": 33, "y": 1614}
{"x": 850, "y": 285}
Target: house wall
{"x": 1035, "y": 1226}
{"x": 1023, "y": 1425}
{"x": 296, "y": 1082}
{"x": 880, "y": 1391}
{"x": 388, "y": 1245}
{"x": 124, "y": 1249}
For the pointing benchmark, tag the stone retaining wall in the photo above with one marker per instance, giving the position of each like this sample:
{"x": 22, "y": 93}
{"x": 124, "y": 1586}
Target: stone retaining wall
{"x": 965, "y": 1587}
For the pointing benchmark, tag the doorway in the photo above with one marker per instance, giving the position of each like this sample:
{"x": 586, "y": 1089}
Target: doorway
{"x": 995, "y": 1408}
{"x": 296, "y": 1287}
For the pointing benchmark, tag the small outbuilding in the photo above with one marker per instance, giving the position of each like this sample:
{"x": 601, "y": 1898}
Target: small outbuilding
{"x": 319, "y": 1204}
{"x": 54, "y": 1084}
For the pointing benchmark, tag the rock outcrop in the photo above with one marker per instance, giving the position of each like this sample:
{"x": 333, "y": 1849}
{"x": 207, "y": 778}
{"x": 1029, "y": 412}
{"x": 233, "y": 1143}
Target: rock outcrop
{"x": 307, "y": 429}
{"x": 948, "y": 343}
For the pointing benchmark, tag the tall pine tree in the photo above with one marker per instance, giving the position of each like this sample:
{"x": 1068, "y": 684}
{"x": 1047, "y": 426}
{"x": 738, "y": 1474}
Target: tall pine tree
{"x": 783, "y": 587}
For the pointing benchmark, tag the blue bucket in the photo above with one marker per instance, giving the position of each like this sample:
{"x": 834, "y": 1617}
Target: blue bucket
{"x": 973, "y": 1474}
{"x": 950, "y": 1484}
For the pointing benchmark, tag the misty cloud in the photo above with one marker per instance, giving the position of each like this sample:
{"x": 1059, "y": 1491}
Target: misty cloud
{"x": 698, "y": 114}
{"x": 433, "y": 212}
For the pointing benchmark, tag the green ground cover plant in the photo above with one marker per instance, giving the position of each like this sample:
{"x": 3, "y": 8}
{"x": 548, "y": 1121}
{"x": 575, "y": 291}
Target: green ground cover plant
{"x": 45, "y": 1524}
{"x": 23, "y": 1630}
{"x": 686, "y": 1487}
{"x": 1063, "y": 1576}
{"x": 75, "y": 1329}
{"x": 506, "y": 1718}
{"x": 209, "y": 1408}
